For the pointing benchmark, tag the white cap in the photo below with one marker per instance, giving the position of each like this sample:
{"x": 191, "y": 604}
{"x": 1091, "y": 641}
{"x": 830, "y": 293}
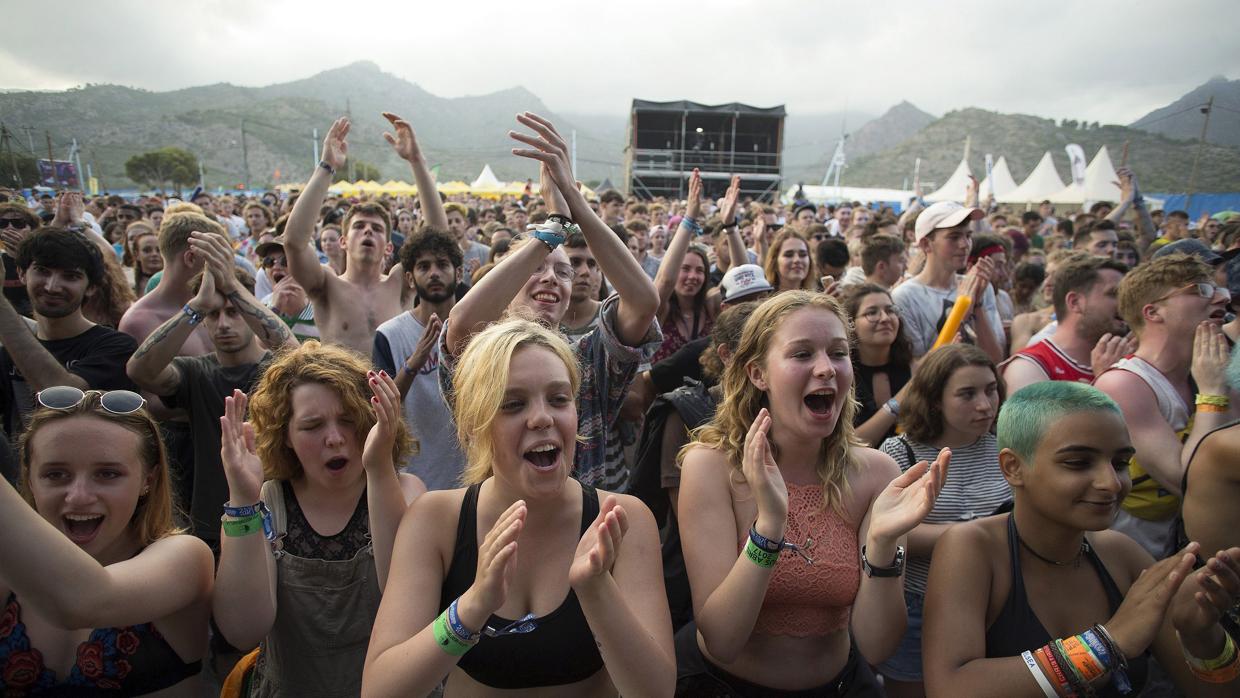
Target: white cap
{"x": 743, "y": 280}
{"x": 944, "y": 214}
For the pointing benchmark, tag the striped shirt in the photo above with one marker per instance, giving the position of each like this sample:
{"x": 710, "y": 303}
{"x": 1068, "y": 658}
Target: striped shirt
{"x": 975, "y": 487}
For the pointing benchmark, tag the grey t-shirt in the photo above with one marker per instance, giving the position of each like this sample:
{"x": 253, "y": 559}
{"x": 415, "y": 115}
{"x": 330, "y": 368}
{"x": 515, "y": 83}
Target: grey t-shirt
{"x": 474, "y": 257}
{"x": 438, "y": 459}
{"x": 923, "y": 310}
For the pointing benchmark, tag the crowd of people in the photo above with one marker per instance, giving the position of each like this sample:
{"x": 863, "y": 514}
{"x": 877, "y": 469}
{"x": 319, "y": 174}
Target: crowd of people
{"x": 305, "y": 445}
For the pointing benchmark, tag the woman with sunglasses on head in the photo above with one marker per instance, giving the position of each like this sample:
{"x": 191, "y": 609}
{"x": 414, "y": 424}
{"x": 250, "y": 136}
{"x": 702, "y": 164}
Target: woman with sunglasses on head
{"x": 314, "y": 503}
{"x": 779, "y": 469}
{"x": 526, "y": 580}
{"x": 882, "y": 364}
{"x": 102, "y": 594}
{"x": 1003, "y": 588}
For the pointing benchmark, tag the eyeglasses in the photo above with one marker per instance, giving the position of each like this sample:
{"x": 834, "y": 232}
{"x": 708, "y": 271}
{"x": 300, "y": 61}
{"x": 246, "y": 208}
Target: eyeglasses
{"x": 269, "y": 262}
{"x": 1203, "y": 289}
{"x": 14, "y": 223}
{"x": 563, "y": 272}
{"x": 876, "y": 314}
{"x": 66, "y": 397}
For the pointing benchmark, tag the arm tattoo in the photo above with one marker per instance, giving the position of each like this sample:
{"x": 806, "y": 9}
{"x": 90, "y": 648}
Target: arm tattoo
{"x": 271, "y": 329}
{"x": 159, "y": 334}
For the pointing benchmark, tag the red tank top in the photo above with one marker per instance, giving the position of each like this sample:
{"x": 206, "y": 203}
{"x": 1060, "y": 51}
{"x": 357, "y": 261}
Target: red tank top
{"x": 1057, "y": 365}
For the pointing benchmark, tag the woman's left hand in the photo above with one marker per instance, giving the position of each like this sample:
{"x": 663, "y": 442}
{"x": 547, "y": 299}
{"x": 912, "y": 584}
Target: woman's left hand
{"x": 386, "y": 403}
{"x": 599, "y": 545}
{"x": 1207, "y": 594}
{"x": 908, "y": 499}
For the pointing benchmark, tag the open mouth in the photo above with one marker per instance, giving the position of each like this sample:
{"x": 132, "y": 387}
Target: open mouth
{"x": 337, "y": 464}
{"x": 819, "y": 402}
{"x": 545, "y": 297}
{"x": 543, "y": 457}
{"x": 1219, "y": 315}
{"x": 81, "y": 528}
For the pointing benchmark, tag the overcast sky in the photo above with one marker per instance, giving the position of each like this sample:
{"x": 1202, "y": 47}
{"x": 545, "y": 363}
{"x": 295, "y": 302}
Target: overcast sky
{"x": 1098, "y": 60}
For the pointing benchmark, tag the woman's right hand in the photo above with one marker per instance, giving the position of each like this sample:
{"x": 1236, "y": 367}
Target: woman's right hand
{"x": 764, "y": 478}
{"x": 693, "y": 204}
{"x": 497, "y": 557}
{"x": 242, "y": 468}
{"x": 1210, "y": 359}
{"x": 1135, "y": 625}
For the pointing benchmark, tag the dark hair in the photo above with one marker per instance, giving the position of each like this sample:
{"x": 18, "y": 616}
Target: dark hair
{"x": 1079, "y": 276}
{"x": 1178, "y": 214}
{"x": 1085, "y": 232}
{"x": 1065, "y": 226}
{"x": 436, "y": 242}
{"x": 983, "y": 240}
{"x": 878, "y": 248}
{"x": 832, "y": 252}
{"x": 366, "y": 208}
{"x": 921, "y": 415}
{"x": 901, "y": 349}
{"x": 501, "y": 247}
{"x": 609, "y": 196}
{"x": 32, "y": 221}
{"x": 1029, "y": 271}
{"x": 725, "y": 332}
{"x": 59, "y": 248}
{"x": 1030, "y": 217}
{"x": 576, "y": 241}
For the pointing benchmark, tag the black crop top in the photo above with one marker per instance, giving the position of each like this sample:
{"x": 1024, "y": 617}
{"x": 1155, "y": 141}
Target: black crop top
{"x": 1017, "y": 629}
{"x": 127, "y": 661}
{"x": 561, "y": 650}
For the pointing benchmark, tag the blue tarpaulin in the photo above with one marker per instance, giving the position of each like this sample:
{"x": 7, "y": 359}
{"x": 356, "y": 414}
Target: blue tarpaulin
{"x": 1202, "y": 203}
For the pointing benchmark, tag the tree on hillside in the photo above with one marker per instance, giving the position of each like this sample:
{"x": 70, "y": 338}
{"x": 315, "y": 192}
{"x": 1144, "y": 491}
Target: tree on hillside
{"x": 361, "y": 170}
{"x": 157, "y": 168}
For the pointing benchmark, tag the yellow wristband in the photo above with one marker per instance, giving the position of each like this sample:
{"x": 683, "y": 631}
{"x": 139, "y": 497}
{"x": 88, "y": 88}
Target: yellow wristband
{"x": 1203, "y": 407}
{"x": 1216, "y": 400}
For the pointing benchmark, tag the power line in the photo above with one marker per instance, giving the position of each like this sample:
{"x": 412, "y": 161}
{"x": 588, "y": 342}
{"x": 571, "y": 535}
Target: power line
{"x": 1139, "y": 124}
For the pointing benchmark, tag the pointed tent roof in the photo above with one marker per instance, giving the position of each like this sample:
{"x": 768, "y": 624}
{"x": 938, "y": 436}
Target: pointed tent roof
{"x": 1003, "y": 182}
{"x": 1100, "y": 183}
{"x": 956, "y": 187}
{"x": 487, "y": 181}
{"x": 1038, "y": 186}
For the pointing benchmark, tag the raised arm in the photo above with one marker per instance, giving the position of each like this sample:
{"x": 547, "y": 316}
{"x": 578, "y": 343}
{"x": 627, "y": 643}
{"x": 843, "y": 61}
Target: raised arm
{"x": 736, "y": 245}
{"x": 35, "y": 362}
{"x": 387, "y": 494}
{"x": 1128, "y": 192}
{"x": 269, "y": 328}
{"x": 669, "y": 268}
{"x": 488, "y": 298}
{"x": 167, "y": 576}
{"x": 244, "y": 604}
{"x": 638, "y": 299}
{"x": 303, "y": 263}
{"x": 406, "y": 145}
{"x": 151, "y": 366}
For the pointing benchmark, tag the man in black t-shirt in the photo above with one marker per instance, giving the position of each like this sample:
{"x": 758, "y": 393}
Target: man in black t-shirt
{"x": 235, "y": 321}
{"x": 60, "y": 269}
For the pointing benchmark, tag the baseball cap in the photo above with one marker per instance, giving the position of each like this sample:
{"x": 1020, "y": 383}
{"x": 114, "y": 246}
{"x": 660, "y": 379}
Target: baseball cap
{"x": 743, "y": 280}
{"x": 944, "y": 214}
{"x": 1190, "y": 246}
{"x": 270, "y": 246}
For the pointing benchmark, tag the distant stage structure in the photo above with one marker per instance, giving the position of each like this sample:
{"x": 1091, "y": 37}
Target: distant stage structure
{"x": 667, "y": 140}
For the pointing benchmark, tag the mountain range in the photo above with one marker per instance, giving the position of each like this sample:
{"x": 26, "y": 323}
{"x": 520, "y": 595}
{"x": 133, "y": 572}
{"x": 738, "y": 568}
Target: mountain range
{"x": 272, "y": 130}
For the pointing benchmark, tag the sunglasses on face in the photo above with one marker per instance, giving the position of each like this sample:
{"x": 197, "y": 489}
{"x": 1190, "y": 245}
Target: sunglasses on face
{"x": 14, "y": 223}
{"x": 67, "y": 397}
{"x": 269, "y": 262}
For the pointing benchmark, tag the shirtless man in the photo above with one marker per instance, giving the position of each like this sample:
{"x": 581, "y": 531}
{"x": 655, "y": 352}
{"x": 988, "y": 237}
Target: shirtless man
{"x": 349, "y": 307}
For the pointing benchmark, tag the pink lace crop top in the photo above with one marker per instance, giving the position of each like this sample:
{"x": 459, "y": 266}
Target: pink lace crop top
{"x": 805, "y": 600}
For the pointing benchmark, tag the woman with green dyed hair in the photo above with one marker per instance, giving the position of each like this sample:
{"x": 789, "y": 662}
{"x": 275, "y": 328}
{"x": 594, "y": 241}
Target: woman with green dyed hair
{"x": 1003, "y": 588}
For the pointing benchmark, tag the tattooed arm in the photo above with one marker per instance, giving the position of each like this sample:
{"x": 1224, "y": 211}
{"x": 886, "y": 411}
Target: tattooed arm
{"x": 268, "y": 327}
{"x": 151, "y": 366}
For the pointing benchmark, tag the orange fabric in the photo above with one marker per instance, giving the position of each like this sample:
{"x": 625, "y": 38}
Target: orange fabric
{"x": 235, "y": 682}
{"x": 805, "y": 600}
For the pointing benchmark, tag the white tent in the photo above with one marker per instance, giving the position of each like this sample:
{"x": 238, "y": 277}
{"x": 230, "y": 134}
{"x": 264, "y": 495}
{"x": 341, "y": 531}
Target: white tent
{"x": 956, "y": 187}
{"x": 487, "y": 181}
{"x": 1002, "y": 184}
{"x": 1100, "y": 183}
{"x": 821, "y": 195}
{"x": 1038, "y": 186}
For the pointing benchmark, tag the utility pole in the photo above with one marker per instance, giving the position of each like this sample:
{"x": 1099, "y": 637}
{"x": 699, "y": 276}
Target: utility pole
{"x": 76, "y": 157}
{"x": 245, "y": 156}
{"x": 30, "y": 136}
{"x": 1201, "y": 145}
{"x": 6, "y": 146}
{"x": 574, "y": 158}
{"x": 314, "y": 140}
{"x": 348, "y": 111}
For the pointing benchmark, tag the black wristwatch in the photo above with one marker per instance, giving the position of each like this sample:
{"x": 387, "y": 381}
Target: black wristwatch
{"x": 895, "y": 570}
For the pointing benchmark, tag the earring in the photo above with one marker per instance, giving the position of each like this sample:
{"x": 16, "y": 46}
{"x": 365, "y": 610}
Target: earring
{"x": 145, "y": 491}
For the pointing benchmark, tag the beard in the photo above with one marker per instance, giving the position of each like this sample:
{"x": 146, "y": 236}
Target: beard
{"x": 449, "y": 291}
{"x": 64, "y": 309}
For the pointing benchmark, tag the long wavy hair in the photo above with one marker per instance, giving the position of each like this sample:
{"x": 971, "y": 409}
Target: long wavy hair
{"x": 699, "y": 299}
{"x": 771, "y": 263}
{"x": 742, "y": 399}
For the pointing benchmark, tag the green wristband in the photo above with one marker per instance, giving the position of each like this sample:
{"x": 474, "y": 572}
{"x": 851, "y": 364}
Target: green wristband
{"x": 239, "y": 528}
{"x": 446, "y": 639}
{"x": 762, "y": 558}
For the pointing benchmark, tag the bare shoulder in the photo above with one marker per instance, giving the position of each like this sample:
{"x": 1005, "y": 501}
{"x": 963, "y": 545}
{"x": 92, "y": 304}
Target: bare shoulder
{"x": 411, "y": 486}
{"x": 1219, "y": 446}
{"x": 183, "y": 552}
{"x": 1121, "y": 384}
{"x": 1122, "y": 556}
{"x": 875, "y": 470}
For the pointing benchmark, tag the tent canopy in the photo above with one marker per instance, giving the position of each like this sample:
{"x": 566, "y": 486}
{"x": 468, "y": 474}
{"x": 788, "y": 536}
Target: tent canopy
{"x": 956, "y": 186}
{"x": 1002, "y": 184}
{"x": 486, "y": 181}
{"x": 815, "y": 194}
{"x": 1038, "y": 186}
{"x": 1101, "y": 183}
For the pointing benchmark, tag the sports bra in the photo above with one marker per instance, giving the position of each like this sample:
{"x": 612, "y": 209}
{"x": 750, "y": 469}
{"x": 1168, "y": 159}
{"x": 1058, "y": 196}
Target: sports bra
{"x": 1017, "y": 629}
{"x": 560, "y": 650}
{"x": 127, "y": 661}
{"x": 804, "y": 600}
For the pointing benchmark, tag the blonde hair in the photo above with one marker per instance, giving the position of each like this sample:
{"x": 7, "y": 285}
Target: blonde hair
{"x": 152, "y": 518}
{"x": 481, "y": 379}
{"x": 271, "y": 403}
{"x": 742, "y": 399}
{"x": 1156, "y": 278}
{"x": 175, "y": 228}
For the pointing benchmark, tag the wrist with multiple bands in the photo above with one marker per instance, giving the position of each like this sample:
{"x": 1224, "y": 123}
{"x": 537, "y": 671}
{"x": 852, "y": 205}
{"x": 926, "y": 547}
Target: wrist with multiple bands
{"x": 239, "y": 522}
{"x": 552, "y": 233}
{"x": 450, "y": 634}
{"x": 692, "y": 224}
{"x": 764, "y": 552}
{"x": 194, "y": 316}
{"x": 1212, "y": 403}
{"x": 1073, "y": 665}
{"x": 1221, "y": 669}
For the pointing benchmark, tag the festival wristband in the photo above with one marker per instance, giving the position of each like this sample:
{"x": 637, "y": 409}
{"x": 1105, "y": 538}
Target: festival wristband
{"x": 240, "y": 528}
{"x": 454, "y": 623}
{"x": 1060, "y": 679}
{"x": 692, "y": 224}
{"x": 1221, "y": 669}
{"x": 1083, "y": 659}
{"x": 257, "y": 512}
{"x": 760, "y": 557}
{"x": 446, "y": 639}
{"x": 1047, "y": 689}
{"x": 1118, "y": 663}
{"x": 1216, "y": 400}
{"x": 194, "y": 316}
{"x": 1211, "y": 408}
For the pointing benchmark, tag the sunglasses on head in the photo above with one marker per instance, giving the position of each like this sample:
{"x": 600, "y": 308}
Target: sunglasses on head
{"x": 67, "y": 397}
{"x": 15, "y": 223}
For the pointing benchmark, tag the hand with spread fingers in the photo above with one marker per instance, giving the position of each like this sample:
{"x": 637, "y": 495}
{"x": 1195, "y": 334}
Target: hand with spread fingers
{"x": 336, "y": 144}
{"x": 1109, "y": 349}
{"x": 242, "y": 468}
{"x": 405, "y": 143}
{"x": 908, "y": 499}
{"x": 1207, "y": 595}
{"x": 497, "y": 558}
{"x": 1137, "y": 621}
{"x": 548, "y": 147}
{"x": 599, "y": 545}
